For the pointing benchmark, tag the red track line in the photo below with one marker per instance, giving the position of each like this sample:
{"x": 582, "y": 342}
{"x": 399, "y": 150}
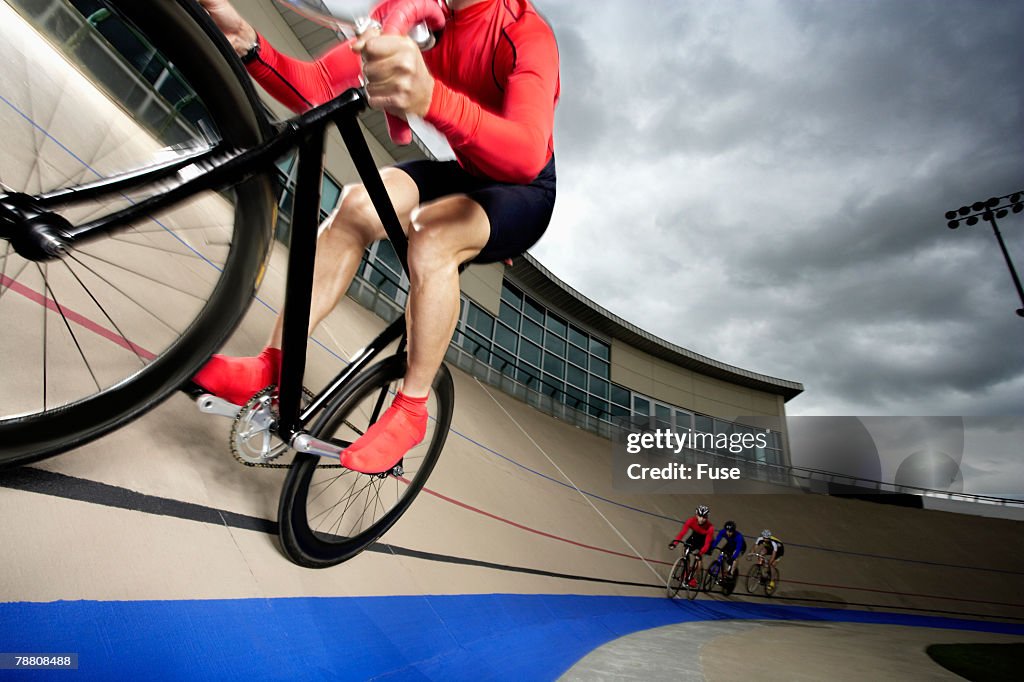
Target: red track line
{"x": 538, "y": 532}
{"x": 73, "y": 316}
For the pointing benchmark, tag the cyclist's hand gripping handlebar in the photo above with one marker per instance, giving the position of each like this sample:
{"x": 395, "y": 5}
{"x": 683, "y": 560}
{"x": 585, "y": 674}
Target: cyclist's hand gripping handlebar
{"x": 417, "y": 19}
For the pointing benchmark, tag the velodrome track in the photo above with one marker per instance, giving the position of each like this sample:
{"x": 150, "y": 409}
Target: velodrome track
{"x": 152, "y": 554}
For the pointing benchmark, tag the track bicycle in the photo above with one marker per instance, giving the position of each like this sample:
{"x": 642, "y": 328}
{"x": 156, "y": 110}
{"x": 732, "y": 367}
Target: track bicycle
{"x": 136, "y": 211}
{"x": 762, "y": 575}
{"x": 687, "y": 572}
{"x": 717, "y": 575}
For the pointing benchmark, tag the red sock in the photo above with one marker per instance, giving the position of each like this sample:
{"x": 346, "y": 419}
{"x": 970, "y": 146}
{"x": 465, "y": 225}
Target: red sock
{"x": 402, "y": 426}
{"x": 239, "y": 379}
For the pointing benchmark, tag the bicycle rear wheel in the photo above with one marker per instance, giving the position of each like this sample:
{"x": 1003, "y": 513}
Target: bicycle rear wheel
{"x": 696, "y": 581}
{"x": 328, "y": 515}
{"x": 90, "y": 89}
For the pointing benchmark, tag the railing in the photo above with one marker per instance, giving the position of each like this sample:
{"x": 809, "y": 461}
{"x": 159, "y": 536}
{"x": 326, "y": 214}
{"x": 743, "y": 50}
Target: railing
{"x": 114, "y": 70}
{"x": 817, "y": 480}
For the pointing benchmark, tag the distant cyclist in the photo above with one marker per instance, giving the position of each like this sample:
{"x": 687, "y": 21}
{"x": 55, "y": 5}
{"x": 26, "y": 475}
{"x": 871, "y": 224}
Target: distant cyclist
{"x": 772, "y": 549}
{"x": 735, "y": 545}
{"x": 700, "y": 537}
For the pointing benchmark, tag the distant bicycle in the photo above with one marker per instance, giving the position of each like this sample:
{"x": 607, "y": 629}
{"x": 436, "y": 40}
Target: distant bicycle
{"x": 762, "y": 576}
{"x": 718, "y": 575}
{"x": 688, "y": 572}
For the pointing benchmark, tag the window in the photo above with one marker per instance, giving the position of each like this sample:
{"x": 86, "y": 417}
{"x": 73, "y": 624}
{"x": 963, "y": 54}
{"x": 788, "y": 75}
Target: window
{"x": 533, "y": 331}
{"x": 506, "y": 338}
{"x": 578, "y": 356}
{"x": 511, "y": 296}
{"x": 508, "y": 315}
{"x": 533, "y": 310}
{"x": 578, "y": 337}
{"x": 600, "y": 349}
{"x": 556, "y": 325}
{"x": 554, "y": 344}
{"x": 620, "y": 395}
{"x": 555, "y": 365}
{"x": 530, "y": 352}
{"x": 576, "y": 376}
{"x": 480, "y": 320}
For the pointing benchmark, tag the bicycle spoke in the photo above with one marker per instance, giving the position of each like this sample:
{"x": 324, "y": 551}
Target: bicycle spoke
{"x": 143, "y": 275}
{"x": 147, "y": 309}
{"x": 5, "y": 280}
{"x": 67, "y": 324}
{"x": 348, "y": 500}
{"x": 103, "y": 310}
{"x": 157, "y": 248}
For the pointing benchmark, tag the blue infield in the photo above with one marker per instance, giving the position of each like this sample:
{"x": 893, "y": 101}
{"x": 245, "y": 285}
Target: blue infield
{"x": 460, "y": 637}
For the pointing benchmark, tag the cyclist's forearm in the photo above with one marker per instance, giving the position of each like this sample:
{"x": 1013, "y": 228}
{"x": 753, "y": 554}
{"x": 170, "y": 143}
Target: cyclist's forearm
{"x": 301, "y": 85}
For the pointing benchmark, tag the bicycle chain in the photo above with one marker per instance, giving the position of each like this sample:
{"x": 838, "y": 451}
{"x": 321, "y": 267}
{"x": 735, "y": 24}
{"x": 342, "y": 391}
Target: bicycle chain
{"x": 269, "y": 464}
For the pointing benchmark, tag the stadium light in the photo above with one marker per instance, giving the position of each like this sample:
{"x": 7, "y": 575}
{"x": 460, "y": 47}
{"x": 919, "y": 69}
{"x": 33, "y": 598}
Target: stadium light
{"x": 995, "y": 207}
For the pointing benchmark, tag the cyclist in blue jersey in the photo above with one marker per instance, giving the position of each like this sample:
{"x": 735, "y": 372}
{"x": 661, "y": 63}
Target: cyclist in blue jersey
{"x": 735, "y": 546}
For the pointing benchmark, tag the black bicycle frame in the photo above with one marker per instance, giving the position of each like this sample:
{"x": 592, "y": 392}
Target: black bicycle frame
{"x": 301, "y": 257}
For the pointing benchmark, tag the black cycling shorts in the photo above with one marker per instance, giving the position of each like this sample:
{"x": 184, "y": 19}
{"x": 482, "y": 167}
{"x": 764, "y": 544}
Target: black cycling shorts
{"x": 518, "y": 214}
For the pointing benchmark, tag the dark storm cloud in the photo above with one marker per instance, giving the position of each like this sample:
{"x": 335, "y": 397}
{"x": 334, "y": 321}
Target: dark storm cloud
{"x": 764, "y": 183}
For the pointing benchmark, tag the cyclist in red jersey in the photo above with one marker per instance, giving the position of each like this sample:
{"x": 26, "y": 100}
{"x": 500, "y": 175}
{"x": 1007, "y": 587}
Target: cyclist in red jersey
{"x": 701, "y": 535}
{"x": 490, "y": 86}
{"x": 702, "y": 531}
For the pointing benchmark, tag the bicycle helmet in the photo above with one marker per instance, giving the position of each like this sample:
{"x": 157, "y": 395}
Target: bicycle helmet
{"x": 703, "y": 510}
{"x": 730, "y": 525}
{"x": 766, "y": 533}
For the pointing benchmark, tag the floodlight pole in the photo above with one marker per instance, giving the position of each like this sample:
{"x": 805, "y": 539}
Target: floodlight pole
{"x": 996, "y": 207}
{"x": 1009, "y": 263}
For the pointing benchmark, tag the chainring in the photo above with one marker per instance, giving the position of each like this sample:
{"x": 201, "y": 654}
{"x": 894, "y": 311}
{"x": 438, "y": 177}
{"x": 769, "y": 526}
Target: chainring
{"x": 252, "y": 440}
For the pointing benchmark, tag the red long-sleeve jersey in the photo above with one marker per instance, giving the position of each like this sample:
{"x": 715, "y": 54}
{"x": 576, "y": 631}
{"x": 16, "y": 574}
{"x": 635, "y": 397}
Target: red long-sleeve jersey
{"x": 496, "y": 85}
{"x": 707, "y": 530}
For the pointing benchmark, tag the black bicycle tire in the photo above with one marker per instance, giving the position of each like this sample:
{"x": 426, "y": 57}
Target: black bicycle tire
{"x": 698, "y": 579}
{"x": 711, "y": 576}
{"x": 674, "y": 578}
{"x": 753, "y": 578}
{"x": 298, "y": 541}
{"x": 198, "y": 49}
{"x": 728, "y": 582}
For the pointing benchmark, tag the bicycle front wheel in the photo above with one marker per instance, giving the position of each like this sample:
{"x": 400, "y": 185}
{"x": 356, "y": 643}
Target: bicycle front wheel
{"x": 91, "y": 89}
{"x": 328, "y": 515}
{"x": 711, "y": 576}
{"x": 754, "y": 578}
{"x": 675, "y": 578}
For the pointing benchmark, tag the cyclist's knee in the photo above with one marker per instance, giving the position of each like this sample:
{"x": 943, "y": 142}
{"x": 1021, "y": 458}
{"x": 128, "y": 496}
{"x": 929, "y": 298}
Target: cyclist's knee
{"x": 357, "y": 216}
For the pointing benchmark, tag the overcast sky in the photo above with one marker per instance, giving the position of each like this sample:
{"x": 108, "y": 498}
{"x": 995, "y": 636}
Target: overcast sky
{"x": 764, "y": 183}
